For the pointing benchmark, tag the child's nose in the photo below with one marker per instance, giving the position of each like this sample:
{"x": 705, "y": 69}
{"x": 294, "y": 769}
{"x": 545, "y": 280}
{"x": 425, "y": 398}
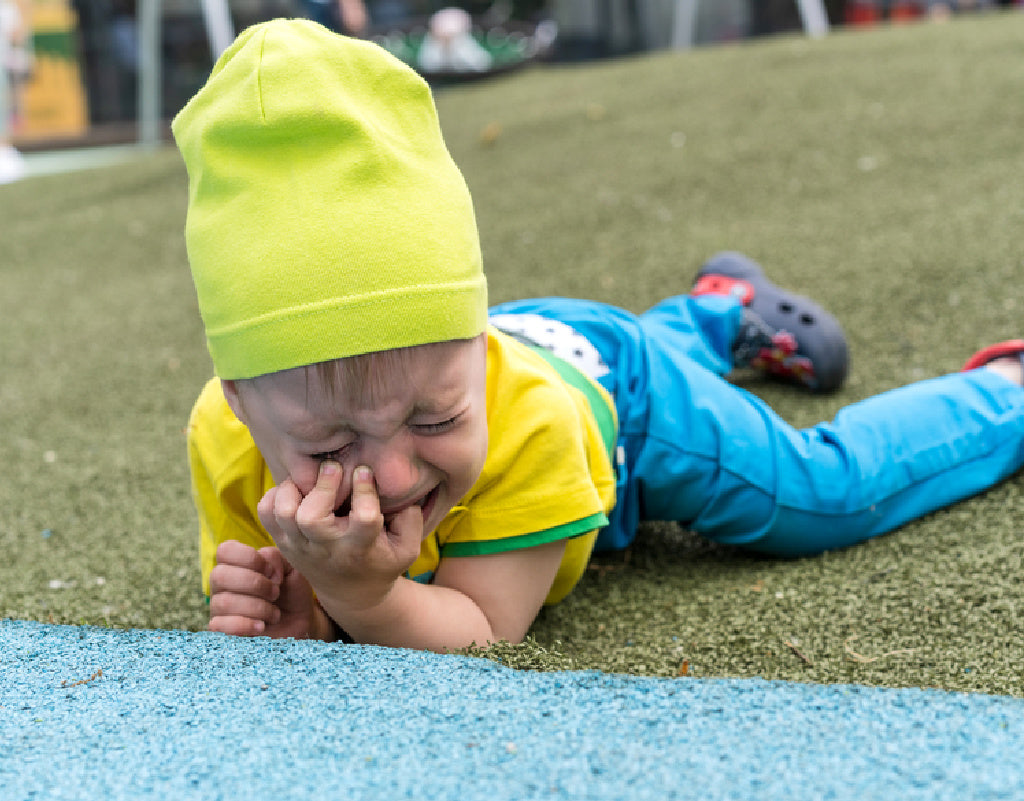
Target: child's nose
{"x": 394, "y": 469}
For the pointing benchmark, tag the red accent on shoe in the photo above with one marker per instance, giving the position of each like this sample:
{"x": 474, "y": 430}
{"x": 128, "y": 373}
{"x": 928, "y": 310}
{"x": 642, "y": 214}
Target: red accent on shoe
{"x": 782, "y": 360}
{"x": 724, "y": 285}
{"x": 1011, "y": 347}
{"x": 785, "y": 342}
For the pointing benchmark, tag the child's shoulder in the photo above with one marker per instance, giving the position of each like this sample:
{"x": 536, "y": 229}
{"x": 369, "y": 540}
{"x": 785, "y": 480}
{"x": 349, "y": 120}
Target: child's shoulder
{"x": 519, "y": 374}
{"x": 211, "y": 408}
{"x": 536, "y": 385}
{"x": 547, "y": 468}
{"x": 217, "y": 438}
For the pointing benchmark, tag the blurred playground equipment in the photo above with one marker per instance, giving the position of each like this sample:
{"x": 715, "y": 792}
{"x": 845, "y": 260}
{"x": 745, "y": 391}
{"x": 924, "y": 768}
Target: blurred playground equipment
{"x": 114, "y": 71}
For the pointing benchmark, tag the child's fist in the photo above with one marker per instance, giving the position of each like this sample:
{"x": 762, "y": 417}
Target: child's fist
{"x": 254, "y": 592}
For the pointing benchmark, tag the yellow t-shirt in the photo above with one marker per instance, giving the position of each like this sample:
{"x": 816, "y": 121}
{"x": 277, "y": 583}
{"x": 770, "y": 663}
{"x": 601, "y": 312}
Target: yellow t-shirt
{"x": 547, "y": 476}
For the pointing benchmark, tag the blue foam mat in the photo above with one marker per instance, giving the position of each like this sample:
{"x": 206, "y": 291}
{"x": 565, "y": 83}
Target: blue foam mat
{"x": 90, "y": 713}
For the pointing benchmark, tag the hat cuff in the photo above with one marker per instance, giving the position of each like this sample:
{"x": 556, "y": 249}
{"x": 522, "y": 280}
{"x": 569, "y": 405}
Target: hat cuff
{"x": 369, "y": 323}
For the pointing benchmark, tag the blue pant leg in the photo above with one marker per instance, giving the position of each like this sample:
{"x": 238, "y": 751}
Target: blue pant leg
{"x": 703, "y": 452}
{"x": 701, "y": 329}
{"x": 698, "y": 333}
{"x": 722, "y": 462}
{"x": 900, "y": 455}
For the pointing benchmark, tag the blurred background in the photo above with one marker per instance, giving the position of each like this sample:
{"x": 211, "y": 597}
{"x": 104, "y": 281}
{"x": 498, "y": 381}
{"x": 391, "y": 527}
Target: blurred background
{"x": 92, "y": 72}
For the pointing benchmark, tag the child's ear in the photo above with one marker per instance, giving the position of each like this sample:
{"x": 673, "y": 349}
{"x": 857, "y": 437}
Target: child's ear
{"x": 230, "y": 390}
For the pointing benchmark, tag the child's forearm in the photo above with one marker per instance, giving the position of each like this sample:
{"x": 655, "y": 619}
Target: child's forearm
{"x": 413, "y": 615}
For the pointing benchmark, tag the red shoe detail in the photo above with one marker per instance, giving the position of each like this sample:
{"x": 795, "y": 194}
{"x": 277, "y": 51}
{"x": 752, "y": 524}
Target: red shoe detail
{"x": 1011, "y": 347}
{"x": 785, "y": 342}
{"x": 724, "y": 285}
{"x": 781, "y": 359}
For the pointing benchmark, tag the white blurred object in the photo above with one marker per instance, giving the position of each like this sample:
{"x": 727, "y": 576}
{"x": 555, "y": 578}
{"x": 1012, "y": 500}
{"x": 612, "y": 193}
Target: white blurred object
{"x": 12, "y": 165}
{"x": 219, "y": 30}
{"x": 449, "y": 45}
{"x": 813, "y": 17}
{"x": 16, "y": 51}
{"x": 544, "y": 36}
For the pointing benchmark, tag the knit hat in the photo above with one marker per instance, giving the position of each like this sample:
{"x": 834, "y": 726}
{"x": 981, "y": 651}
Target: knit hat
{"x": 326, "y": 217}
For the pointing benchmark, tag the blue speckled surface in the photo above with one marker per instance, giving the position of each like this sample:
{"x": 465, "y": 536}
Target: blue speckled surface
{"x": 178, "y": 715}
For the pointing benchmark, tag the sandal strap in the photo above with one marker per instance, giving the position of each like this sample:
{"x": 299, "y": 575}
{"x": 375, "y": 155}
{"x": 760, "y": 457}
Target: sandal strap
{"x": 1012, "y": 347}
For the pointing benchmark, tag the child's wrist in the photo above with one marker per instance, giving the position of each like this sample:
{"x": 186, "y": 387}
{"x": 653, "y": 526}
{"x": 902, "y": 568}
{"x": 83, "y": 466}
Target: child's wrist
{"x": 359, "y": 612}
{"x": 323, "y": 626}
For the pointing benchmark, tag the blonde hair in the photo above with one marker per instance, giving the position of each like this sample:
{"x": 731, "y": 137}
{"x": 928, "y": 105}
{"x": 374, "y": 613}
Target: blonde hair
{"x": 362, "y": 379}
{"x": 365, "y": 378}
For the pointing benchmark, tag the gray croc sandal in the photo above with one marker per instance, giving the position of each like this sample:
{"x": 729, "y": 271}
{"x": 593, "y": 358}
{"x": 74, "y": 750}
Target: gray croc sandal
{"x": 785, "y": 335}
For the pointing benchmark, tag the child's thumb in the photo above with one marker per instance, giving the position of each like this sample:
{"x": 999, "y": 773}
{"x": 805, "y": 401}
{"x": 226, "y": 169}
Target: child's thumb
{"x": 406, "y": 530}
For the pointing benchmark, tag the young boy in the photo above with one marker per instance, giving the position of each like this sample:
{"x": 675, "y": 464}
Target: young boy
{"x": 376, "y": 462}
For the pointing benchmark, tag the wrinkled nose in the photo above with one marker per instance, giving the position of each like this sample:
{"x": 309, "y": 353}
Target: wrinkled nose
{"x": 394, "y": 469}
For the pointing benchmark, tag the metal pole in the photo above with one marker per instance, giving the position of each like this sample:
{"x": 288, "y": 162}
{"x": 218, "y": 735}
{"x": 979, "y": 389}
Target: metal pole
{"x": 684, "y": 24}
{"x": 149, "y": 94}
{"x": 814, "y": 17}
{"x": 219, "y": 30}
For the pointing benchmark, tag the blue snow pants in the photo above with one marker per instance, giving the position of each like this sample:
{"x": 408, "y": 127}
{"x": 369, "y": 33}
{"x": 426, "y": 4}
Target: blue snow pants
{"x": 695, "y": 449}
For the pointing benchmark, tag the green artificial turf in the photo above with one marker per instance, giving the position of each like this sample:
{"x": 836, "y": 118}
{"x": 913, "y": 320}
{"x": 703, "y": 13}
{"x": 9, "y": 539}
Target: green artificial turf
{"x": 880, "y": 172}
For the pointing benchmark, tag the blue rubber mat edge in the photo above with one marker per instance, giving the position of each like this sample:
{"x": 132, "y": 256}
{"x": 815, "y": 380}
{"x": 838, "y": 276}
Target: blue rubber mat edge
{"x": 97, "y": 713}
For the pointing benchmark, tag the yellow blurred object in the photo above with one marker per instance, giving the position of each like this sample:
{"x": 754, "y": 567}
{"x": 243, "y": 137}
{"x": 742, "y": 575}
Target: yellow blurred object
{"x": 52, "y": 100}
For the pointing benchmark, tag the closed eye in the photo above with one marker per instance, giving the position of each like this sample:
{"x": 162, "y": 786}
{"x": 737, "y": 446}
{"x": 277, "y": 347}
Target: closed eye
{"x": 334, "y": 455}
{"x": 437, "y": 428}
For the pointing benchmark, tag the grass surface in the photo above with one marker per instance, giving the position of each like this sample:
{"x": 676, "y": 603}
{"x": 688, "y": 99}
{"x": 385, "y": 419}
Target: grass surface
{"x": 878, "y": 172}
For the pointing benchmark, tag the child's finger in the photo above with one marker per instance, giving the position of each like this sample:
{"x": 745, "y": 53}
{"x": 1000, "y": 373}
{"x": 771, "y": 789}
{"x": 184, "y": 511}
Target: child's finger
{"x": 321, "y": 501}
{"x": 238, "y": 554}
{"x": 406, "y": 531}
{"x": 242, "y": 581}
{"x": 277, "y": 566}
{"x": 279, "y": 507}
{"x": 228, "y": 604}
{"x": 265, "y": 510}
{"x": 237, "y": 625}
{"x": 364, "y": 515}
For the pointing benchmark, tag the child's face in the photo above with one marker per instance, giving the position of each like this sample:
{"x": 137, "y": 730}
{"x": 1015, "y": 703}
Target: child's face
{"x": 421, "y": 428}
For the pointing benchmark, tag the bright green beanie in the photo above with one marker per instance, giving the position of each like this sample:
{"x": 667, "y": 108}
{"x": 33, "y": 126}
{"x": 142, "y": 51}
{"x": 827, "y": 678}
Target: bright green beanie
{"x": 326, "y": 217}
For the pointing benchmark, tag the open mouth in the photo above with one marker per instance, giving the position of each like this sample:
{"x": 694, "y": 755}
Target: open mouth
{"x": 426, "y": 504}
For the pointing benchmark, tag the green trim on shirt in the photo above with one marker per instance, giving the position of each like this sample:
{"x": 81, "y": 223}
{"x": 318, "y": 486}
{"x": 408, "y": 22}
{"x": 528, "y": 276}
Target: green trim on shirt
{"x": 603, "y": 413}
{"x": 566, "y": 531}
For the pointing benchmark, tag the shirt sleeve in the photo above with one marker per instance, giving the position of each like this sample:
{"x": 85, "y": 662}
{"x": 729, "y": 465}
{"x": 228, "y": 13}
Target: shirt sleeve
{"x": 228, "y": 478}
{"x": 547, "y": 476}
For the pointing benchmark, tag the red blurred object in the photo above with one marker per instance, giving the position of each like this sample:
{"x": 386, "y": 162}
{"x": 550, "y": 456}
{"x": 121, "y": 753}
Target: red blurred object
{"x": 862, "y": 12}
{"x": 905, "y": 11}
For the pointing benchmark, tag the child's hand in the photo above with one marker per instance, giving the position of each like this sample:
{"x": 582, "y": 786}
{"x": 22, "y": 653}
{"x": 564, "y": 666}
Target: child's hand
{"x": 351, "y": 561}
{"x": 255, "y": 593}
